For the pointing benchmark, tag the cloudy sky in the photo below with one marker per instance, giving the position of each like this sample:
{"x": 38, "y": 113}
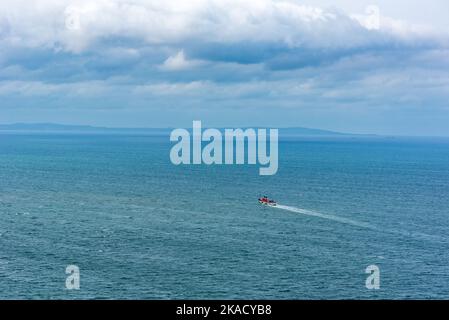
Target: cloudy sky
{"x": 355, "y": 66}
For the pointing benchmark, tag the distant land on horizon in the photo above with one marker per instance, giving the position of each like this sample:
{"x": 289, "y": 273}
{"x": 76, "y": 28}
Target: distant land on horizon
{"x": 61, "y": 128}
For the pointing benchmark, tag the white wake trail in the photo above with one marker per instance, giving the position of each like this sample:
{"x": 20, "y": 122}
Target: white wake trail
{"x": 403, "y": 233}
{"x": 325, "y": 216}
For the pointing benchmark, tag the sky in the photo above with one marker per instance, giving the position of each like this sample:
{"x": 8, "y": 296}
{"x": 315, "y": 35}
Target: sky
{"x": 352, "y": 66}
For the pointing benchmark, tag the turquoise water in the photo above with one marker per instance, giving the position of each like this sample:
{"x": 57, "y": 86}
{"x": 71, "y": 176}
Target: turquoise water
{"x": 139, "y": 227}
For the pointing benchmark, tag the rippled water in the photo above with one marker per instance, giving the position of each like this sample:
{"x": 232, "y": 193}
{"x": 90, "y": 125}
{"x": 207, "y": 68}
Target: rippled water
{"x": 139, "y": 227}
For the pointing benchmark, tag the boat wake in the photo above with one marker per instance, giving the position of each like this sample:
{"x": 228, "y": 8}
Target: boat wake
{"x": 325, "y": 216}
{"x": 403, "y": 233}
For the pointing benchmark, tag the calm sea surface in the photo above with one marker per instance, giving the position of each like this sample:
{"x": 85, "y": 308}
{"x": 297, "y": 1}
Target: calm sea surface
{"x": 139, "y": 227}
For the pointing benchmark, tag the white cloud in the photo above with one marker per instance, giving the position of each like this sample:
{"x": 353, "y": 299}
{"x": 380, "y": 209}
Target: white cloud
{"x": 179, "y": 62}
{"x": 77, "y": 25}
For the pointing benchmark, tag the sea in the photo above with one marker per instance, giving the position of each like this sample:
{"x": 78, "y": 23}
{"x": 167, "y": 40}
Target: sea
{"x": 138, "y": 227}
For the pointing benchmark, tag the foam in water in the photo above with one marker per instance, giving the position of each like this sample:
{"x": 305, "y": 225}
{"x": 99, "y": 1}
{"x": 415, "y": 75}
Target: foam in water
{"x": 415, "y": 235}
{"x": 325, "y": 216}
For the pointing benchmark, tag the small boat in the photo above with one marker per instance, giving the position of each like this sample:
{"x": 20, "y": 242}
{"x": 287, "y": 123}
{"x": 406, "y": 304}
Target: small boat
{"x": 266, "y": 201}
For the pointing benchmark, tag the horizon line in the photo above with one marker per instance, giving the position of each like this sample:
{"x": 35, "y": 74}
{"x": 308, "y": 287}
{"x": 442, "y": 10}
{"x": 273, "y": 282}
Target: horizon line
{"x": 173, "y": 127}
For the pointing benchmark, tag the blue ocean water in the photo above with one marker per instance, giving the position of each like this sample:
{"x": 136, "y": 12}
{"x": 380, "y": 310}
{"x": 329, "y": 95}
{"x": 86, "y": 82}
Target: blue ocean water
{"x": 139, "y": 227}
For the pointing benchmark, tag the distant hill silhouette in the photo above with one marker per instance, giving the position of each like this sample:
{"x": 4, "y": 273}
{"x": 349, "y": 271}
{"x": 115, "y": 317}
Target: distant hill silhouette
{"x": 60, "y": 128}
